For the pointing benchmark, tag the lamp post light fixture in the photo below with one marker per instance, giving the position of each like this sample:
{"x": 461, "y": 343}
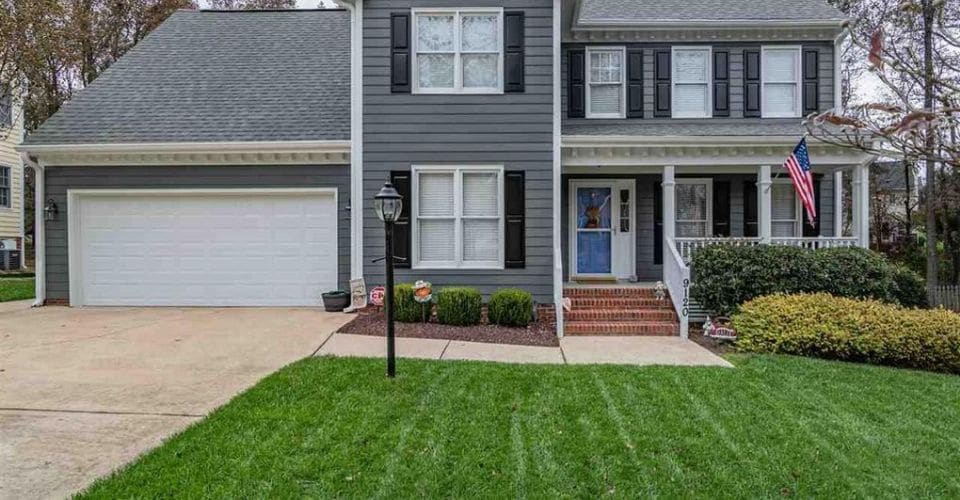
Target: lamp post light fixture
{"x": 388, "y": 204}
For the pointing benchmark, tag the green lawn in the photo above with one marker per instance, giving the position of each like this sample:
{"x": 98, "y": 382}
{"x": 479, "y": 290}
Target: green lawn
{"x": 774, "y": 426}
{"x": 16, "y": 289}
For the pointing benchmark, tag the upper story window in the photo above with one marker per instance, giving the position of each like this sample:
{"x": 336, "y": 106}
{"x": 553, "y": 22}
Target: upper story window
{"x": 691, "y": 82}
{"x": 5, "y": 193}
{"x": 457, "y": 217}
{"x": 605, "y": 89}
{"x": 458, "y": 51}
{"x": 780, "y": 69}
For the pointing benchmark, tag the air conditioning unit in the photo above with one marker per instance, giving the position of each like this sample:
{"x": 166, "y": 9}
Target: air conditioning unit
{"x": 9, "y": 260}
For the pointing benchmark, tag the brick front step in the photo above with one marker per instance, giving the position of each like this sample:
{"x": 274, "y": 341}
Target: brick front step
{"x": 621, "y": 328}
{"x": 622, "y": 314}
{"x": 632, "y": 292}
{"x": 619, "y": 303}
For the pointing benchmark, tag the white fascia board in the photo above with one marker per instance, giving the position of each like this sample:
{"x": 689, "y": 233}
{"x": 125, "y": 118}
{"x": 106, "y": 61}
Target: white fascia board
{"x": 623, "y": 24}
{"x": 674, "y": 140}
{"x": 340, "y": 146}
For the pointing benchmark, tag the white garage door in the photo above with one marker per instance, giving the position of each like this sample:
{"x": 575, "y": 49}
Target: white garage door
{"x": 237, "y": 248}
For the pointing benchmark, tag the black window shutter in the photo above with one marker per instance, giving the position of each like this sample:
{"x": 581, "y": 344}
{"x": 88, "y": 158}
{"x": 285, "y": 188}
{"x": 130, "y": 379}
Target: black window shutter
{"x": 634, "y": 83}
{"x": 814, "y": 230}
{"x": 658, "y": 223}
{"x": 751, "y": 83}
{"x": 576, "y": 83}
{"x": 721, "y": 83}
{"x": 750, "y": 210}
{"x": 513, "y": 51}
{"x": 661, "y": 76}
{"x": 401, "y": 229}
{"x": 400, "y": 52}
{"x": 811, "y": 81}
{"x": 515, "y": 249}
{"x": 721, "y": 208}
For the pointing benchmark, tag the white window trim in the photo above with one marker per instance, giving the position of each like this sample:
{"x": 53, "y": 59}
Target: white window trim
{"x": 457, "y": 171}
{"x": 708, "y": 182}
{"x": 623, "y": 84}
{"x": 708, "y": 105}
{"x": 798, "y": 211}
{"x": 798, "y": 82}
{"x": 457, "y": 88}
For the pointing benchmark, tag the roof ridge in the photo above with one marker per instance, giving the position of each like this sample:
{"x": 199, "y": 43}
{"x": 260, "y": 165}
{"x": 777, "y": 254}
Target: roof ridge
{"x": 257, "y": 11}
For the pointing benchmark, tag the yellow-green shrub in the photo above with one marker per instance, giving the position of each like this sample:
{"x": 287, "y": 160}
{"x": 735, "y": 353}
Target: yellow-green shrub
{"x": 869, "y": 331}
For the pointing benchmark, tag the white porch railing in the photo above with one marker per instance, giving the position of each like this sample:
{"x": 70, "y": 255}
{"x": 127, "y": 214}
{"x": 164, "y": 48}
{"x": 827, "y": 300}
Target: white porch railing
{"x": 676, "y": 275}
{"x": 815, "y": 243}
{"x": 688, "y": 246}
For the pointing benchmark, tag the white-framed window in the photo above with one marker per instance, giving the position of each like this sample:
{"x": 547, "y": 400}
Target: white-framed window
{"x": 458, "y": 217}
{"x": 694, "y": 199}
{"x": 780, "y": 78}
{"x": 458, "y": 51}
{"x": 6, "y": 194}
{"x": 785, "y": 217}
{"x": 691, "y": 74}
{"x": 606, "y": 92}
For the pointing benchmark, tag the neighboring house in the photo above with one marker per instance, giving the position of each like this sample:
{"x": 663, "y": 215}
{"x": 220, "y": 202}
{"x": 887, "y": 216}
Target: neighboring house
{"x": 891, "y": 191}
{"x": 231, "y": 158}
{"x": 11, "y": 182}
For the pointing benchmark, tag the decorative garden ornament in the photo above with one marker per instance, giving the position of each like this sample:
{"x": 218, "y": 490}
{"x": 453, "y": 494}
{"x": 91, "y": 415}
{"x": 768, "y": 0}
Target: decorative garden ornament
{"x": 422, "y": 291}
{"x": 660, "y": 290}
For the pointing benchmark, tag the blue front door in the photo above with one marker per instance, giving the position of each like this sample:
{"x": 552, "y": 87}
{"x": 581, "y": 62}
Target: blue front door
{"x": 594, "y": 227}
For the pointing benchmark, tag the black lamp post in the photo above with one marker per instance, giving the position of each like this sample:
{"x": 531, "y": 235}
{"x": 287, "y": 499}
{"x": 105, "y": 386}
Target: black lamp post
{"x": 388, "y": 203}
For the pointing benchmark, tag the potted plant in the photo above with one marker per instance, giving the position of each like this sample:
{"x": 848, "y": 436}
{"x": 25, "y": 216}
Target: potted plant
{"x": 335, "y": 301}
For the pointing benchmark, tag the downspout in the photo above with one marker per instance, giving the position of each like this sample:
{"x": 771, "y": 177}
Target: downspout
{"x": 557, "y": 167}
{"x": 837, "y": 69}
{"x": 39, "y": 232}
{"x": 356, "y": 135}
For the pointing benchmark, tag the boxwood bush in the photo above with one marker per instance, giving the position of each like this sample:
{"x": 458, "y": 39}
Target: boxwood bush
{"x": 459, "y": 306}
{"x": 405, "y": 308}
{"x": 510, "y": 307}
{"x": 870, "y": 331}
{"x": 726, "y": 276}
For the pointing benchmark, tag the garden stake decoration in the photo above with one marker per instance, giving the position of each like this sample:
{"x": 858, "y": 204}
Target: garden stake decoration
{"x": 423, "y": 294}
{"x": 388, "y": 203}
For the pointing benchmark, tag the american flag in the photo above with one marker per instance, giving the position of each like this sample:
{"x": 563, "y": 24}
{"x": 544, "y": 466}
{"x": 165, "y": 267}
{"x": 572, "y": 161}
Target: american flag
{"x": 798, "y": 165}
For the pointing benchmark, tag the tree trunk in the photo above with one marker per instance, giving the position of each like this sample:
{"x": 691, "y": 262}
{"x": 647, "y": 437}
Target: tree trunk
{"x": 908, "y": 211}
{"x": 933, "y": 267}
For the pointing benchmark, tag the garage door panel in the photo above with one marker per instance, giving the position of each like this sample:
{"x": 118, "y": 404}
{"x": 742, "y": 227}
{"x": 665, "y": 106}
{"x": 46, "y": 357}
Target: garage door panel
{"x": 207, "y": 249}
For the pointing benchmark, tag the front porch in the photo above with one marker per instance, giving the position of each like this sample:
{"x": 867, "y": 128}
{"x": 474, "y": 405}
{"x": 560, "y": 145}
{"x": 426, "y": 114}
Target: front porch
{"x": 629, "y": 217}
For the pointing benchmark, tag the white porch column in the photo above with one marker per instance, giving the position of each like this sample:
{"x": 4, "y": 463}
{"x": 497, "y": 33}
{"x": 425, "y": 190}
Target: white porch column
{"x": 861, "y": 204}
{"x": 669, "y": 209}
{"x": 764, "y": 209}
{"x": 838, "y": 204}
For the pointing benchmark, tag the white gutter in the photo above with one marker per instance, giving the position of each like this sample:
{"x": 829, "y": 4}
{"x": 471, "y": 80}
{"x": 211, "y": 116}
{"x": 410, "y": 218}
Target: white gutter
{"x": 677, "y": 140}
{"x": 192, "y": 147}
{"x": 624, "y": 24}
{"x": 837, "y": 72}
{"x": 39, "y": 231}
{"x": 356, "y": 135}
{"x": 557, "y": 166}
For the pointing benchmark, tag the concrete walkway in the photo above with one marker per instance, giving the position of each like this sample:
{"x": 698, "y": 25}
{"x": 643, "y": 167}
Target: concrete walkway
{"x": 572, "y": 350}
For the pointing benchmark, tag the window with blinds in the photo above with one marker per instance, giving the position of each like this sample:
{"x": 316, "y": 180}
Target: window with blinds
{"x": 694, "y": 199}
{"x": 605, "y": 90}
{"x": 785, "y": 211}
{"x": 780, "y": 69}
{"x": 691, "y": 82}
{"x": 459, "y": 217}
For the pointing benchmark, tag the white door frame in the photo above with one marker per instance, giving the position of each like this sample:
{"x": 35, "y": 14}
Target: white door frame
{"x": 622, "y": 264}
{"x": 75, "y": 199}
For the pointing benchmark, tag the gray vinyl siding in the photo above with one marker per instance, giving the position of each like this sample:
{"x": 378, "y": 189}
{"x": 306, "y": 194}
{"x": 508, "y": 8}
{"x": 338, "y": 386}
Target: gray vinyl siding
{"x": 513, "y": 130}
{"x": 646, "y": 184}
{"x": 60, "y": 179}
{"x": 825, "y": 61}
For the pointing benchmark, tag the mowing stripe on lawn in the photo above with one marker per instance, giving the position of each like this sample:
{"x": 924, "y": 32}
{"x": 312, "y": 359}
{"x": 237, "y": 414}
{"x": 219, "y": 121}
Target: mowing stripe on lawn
{"x": 519, "y": 455}
{"x": 618, "y": 421}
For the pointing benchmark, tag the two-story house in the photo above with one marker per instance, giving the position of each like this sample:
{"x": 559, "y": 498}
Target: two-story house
{"x": 581, "y": 148}
{"x": 11, "y": 183}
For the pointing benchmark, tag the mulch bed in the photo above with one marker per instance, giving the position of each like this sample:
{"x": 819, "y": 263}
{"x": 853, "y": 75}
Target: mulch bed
{"x": 718, "y": 347}
{"x": 375, "y": 324}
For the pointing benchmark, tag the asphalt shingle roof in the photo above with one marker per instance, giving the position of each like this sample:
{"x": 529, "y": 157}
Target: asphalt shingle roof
{"x": 642, "y": 11}
{"x": 667, "y": 127}
{"x": 206, "y": 76}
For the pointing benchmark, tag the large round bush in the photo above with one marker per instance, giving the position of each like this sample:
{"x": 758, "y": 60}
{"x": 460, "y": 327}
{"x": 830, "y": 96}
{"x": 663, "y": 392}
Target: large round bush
{"x": 510, "y": 307}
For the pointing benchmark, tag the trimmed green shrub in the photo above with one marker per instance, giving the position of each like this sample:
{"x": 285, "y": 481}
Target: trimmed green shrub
{"x": 510, "y": 307}
{"x": 726, "y": 276}
{"x": 911, "y": 289}
{"x": 459, "y": 306}
{"x": 824, "y": 326}
{"x": 405, "y": 308}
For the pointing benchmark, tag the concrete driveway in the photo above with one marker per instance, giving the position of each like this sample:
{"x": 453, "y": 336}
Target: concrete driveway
{"x": 83, "y": 391}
